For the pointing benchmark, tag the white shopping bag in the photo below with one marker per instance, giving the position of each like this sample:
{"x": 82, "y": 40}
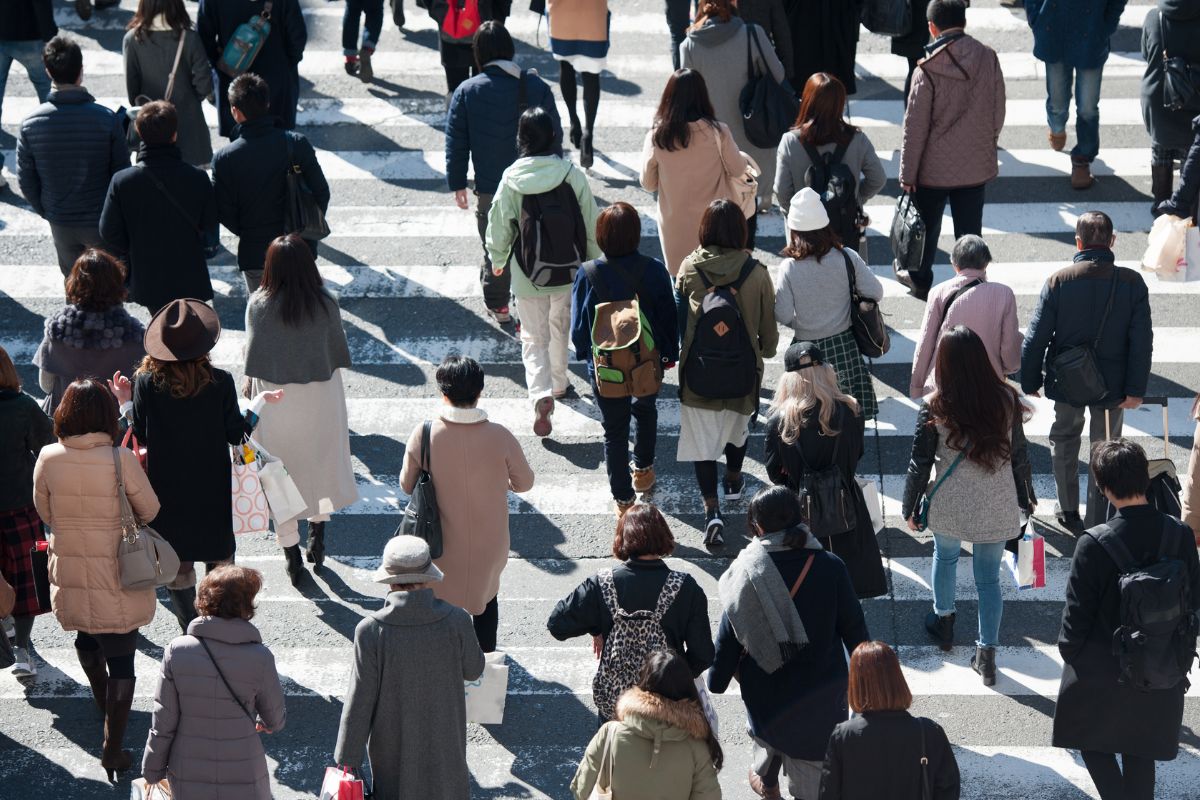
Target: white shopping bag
{"x": 282, "y": 495}
{"x": 139, "y": 790}
{"x": 1165, "y": 248}
{"x": 870, "y": 491}
{"x": 1192, "y": 253}
{"x": 1028, "y": 564}
{"x": 249, "y": 501}
{"x": 486, "y": 695}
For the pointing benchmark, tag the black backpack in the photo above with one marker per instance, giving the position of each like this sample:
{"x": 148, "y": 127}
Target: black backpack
{"x": 722, "y": 363}
{"x": 1156, "y": 640}
{"x": 551, "y": 238}
{"x": 833, "y": 180}
{"x": 828, "y": 506}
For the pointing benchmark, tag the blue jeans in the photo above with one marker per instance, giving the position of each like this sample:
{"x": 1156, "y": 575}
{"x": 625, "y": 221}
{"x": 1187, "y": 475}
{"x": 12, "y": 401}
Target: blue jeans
{"x": 29, "y": 56}
{"x": 986, "y": 564}
{"x": 371, "y": 31}
{"x": 1059, "y": 78}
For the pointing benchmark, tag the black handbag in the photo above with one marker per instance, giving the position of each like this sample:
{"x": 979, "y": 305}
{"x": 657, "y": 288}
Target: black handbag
{"x": 887, "y": 17}
{"x": 768, "y": 107}
{"x": 866, "y": 320}
{"x": 303, "y": 215}
{"x": 1181, "y": 78}
{"x": 1077, "y": 375}
{"x": 908, "y": 237}
{"x": 421, "y": 514}
{"x": 39, "y": 567}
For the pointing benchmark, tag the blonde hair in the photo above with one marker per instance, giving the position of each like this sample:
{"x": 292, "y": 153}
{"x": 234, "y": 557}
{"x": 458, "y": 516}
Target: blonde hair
{"x": 181, "y": 378}
{"x": 801, "y": 392}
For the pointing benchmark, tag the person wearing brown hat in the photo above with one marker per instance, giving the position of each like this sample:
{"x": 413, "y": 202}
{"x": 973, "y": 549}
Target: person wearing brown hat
{"x": 186, "y": 414}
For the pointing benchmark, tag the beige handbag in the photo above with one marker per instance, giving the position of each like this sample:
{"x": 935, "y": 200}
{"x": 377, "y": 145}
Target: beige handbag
{"x": 740, "y": 188}
{"x": 144, "y": 558}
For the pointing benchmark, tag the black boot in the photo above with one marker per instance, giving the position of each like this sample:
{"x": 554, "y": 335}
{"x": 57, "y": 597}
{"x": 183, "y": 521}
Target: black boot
{"x": 117, "y": 700}
{"x": 96, "y": 670}
{"x": 576, "y": 132}
{"x": 295, "y": 563}
{"x": 941, "y": 629}
{"x": 183, "y": 606}
{"x": 984, "y": 662}
{"x": 586, "y": 154}
{"x": 1162, "y": 176}
{"x": 315, "y": 552}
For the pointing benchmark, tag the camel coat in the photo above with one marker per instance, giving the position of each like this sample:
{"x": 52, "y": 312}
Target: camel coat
{"x": 687, "y": 180}
{"x": 75, "y": 491}
{"x": 474, "y": 464}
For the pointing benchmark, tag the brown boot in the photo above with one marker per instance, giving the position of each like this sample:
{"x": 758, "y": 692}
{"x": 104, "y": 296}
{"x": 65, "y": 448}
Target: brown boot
{"x": 1162, "y": 176}
{"x": 643, "y": 478}
{"x": 117, "y": 701}
{"x": 94, "y": 668}
{"x": 1057, "y": 140}
{"x": 1081, "y": 175}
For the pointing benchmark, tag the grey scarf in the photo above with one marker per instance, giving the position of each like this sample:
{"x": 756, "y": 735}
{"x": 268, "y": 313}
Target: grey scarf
{"x": 757, "y": 603}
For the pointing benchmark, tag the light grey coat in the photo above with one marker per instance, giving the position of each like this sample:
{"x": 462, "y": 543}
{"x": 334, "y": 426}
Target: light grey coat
{"x": 406, "y": 704}
{"x": 148, "y": 65}
{"x": 717, "y": 50}
{"x": 200, "y": 739}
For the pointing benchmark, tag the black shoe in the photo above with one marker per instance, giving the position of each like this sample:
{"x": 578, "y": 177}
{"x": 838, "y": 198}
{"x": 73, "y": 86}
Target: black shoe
{"x": 714, "y": 527}
{"x": 941, "y": 629}
{"x": 586, "y": 154}
{"x": 352, "y": 68}
{"x": 295, "y": 564}
{"x": 1070, "y": 521}
{"x": 576, "y": 133}
{"x": 734, "y": 487}
{"x": 84, "y": 9}
{"x": 315, "y": 552}
{"x": 365, "y": 72}
{"x": 398, "y": 13}
{"x": 984, "y": 663}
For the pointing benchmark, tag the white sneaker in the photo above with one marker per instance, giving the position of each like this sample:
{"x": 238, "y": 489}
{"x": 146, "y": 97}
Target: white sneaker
{"x": 25, "y": 667}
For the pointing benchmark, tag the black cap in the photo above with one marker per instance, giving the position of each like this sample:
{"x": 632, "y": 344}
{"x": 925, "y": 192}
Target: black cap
{"x": 795, "y": 356}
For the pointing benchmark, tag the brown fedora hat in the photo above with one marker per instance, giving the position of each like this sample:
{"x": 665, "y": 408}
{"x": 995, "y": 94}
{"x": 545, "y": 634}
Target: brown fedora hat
{"x": 182, "y": 330}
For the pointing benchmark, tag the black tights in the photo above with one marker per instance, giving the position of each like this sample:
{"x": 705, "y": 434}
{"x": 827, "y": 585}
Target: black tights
{"x": 706, "y": 471}
{"x": 118, "y": 649}
{"x": 24, "y": 627}
{"x": 591, "y": 94}
{"x": 1132, "y": 780}
{"x": 486, "y": 625}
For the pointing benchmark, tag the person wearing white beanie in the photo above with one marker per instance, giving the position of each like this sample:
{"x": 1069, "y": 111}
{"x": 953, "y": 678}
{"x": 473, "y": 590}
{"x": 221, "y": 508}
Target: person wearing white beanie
{"x": 813, "y": 294}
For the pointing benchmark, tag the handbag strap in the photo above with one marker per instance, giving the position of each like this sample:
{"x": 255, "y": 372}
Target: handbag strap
{"x": 803, "y": 574}
{"x": 171, "y": 199}
{"x": 752, "y": 71}
{"x": 926, "y": 794}
{"x": 1162, "y": 35}
{"x": 175, "y": 67}
{"x": 960, "y": 291}
{"x": 225, "y": 681}
{"x": 1112, "y": 291}
{"x": 942, "y": 478}
{"x": 854, "y": 295}
{"x": 129, "y": 523}
{"x": 425, "y": 434}
{"x": 604, "y": 776}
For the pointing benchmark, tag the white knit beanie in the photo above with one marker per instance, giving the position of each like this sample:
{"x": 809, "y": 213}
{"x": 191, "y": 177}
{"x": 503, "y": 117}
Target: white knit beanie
{"x": 806, "y": 212}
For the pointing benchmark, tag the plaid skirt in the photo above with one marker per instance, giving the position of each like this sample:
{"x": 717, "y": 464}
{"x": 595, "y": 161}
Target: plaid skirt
{"x": 841, "y": 352}
{"x": 19, "y": 529}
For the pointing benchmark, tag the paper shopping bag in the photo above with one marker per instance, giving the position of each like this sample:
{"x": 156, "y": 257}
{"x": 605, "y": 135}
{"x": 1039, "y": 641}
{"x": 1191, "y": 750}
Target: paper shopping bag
{"x": 250, "y": 513}
{"x": 283, "y": 498}
{"x": 870, "y": 491}
{"x": 340, "y": 784}
{"x": 486, "y": 695}
{"x": 1028, "y": 564}
{"x": 140, "y": 790}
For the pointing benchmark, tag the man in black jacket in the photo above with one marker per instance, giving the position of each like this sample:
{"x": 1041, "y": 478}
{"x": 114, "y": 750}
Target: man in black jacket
{"x": 25, "y": 27}
{"x": 68, "y": 149}
{"x": 1072, "y": 313}
{"x": 159, "y": 214}
{"x": 250, "y": 172}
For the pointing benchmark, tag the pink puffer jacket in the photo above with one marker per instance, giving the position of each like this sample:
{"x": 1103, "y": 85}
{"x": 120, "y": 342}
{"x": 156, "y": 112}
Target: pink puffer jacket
{"x": 954, "y": 116}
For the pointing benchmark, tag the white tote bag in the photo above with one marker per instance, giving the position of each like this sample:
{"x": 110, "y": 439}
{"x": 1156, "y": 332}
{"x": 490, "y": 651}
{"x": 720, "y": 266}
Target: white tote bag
{"x": 870, "y": 491}
{"x": 283, "y": 497}
{"x": 486, "y": 694}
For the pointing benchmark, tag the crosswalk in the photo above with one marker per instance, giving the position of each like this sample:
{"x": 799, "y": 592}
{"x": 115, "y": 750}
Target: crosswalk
{"x": 403, "y": 261}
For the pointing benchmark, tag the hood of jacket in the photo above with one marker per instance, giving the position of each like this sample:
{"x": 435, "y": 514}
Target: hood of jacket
{"x": 1179, "y": 9}
{"x": 654, "y": 717}
{"x": 959, "y": 60}
{"x": 721, "y": 265}
{"x": 714, "y": 32}
{"x": 229, "y": 631}
{"x": 536, "y": 174}
{"x": 419, "y": 607}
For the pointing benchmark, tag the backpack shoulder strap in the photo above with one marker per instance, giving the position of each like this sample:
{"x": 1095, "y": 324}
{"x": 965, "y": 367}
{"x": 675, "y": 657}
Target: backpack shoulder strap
{"x": 839, "y": 153}
{"x": 667, "y": 596}
{"x": 747, "y": 268}
{"x": 1107, "y": 538}
{"x": 591, "y": 271}
{"x": 608, "y": 590}
{"x": 708, "y": 285}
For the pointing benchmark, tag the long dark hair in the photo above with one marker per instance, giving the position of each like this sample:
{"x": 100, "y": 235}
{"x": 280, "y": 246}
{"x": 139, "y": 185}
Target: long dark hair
{"x": 777, "y": 508}
{"x": 971, "y": 401}
{"x": 291, "y": 278}
{"x": 684, "y": 100}
{"x": 668, "y": 675}
{"x": 535, "y": 133}
{"x": 173, "y": 12}
{"x": 820, "y": 119}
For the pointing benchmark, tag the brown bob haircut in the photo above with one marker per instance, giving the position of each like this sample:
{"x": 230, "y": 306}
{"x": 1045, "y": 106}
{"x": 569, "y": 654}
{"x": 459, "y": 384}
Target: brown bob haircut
{"x": 157, "y": 122}
{"x": 876, "y": 682}
{"x": 96, "y": 282}
{"x": 228, "y": 592}
{"x": 618, "y": 230}
{"x": 723, "y": 225}
{"x": 642, "y": 531}
{"x": 10, "y": 381}
{"x": 87, "y": 406}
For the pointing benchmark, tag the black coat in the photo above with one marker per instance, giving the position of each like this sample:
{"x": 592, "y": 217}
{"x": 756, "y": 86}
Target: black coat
{"x": 824, "y": 39}
{"x": 877, "y": 756}
{"x": 1181, "y": 21}
{"x": 159, "y": 241}
{"x": 1094, "y": 711}
{"x": 27, "y": 21}
{"x": 249, "y": 175}
{"x": 1185, "y": 202}
{"x": 785, "y": 466}
{"x": 24, "y": 431}
{"x": 187, "y": 448}
{"x": 796, "y": 708}
{"x": 912, "y": 44}
{"x": 638, "y": 584}
{"x": 278, "y": 62}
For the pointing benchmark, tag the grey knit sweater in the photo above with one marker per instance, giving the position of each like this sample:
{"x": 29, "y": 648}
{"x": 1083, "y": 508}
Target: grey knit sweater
{"x": 304, "y": 353}
{"x": 793, "y": 162}
{"x": 813, "y": 297}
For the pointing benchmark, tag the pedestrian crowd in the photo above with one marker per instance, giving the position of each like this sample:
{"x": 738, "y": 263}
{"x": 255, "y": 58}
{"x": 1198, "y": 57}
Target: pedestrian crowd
{"x": 139, "y": 430}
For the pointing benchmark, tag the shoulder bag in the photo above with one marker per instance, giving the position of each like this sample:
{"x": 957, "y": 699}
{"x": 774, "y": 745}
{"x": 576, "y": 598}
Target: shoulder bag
{"x": 926, "y": 790}
{"x": 210, "y": 242}
{"x": 247, "y": 40}
{"x": 421, "y": 517}
{"x": 602, "y": 789}
{"x": 144, "y": 558}
{"x": 768, "y": 107}
{"x": 302, "y": 215}
{"x": 922, "y": 515}
{"x": 1181, "y": 78}
{"x": 740, "y": 189}
{"x": 866, "y": 319}
{"x": 1076, "y": 372}
{"x": 908, "y": 237}
{"x": 250, "y": 716}
{"x": 131, "y": 135}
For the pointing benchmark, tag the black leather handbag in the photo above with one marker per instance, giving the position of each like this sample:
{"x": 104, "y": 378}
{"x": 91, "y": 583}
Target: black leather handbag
{"x": 1076, "y": 372}
{"x": 768, "y": 107}
{"x": 1181, "y": 78}
{"x": 866, "y": 320}
{"x": 908, "y": 237}
{"x": 303, "y": 215}
{"x": 421, "y": 516}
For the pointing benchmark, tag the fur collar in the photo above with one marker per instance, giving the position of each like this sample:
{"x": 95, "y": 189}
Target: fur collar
{"x": 685, "y": 715}
{"x": 94, "y": 330}
{"x": 463, "y": 416}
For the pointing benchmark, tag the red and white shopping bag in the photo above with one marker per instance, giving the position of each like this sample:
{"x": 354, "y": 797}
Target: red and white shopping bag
{"x": 250, "y": 512}
{"x": 340, "y": 784}
{"x": 1028, "y": 564}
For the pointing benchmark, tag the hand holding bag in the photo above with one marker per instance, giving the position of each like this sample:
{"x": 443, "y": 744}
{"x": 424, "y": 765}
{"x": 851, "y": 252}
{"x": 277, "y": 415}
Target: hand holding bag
{"x": 340, "y": 784}
{"x": 140, "y": 790}
{"x": 866, "y": 319}
{"x": 1165, "y": 248}
{"x": 144, "y": 558}
{"x": 421, "y": 516}
{"x": 908, "y": 237}
{"x": 740, "y": 189}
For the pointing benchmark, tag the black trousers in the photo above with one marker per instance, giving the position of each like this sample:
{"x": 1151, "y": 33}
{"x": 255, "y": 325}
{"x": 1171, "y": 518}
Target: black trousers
{"x": 486, "y": 625}
{"x": 706, "y": 471}
{"x": 1132, "y": 780}
{"x": 679, "y": 16}
{"x": 118, "y": 649}
{"x": 966, "y": 209}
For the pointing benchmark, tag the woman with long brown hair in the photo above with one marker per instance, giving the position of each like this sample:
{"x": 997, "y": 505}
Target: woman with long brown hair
{"x": 295, "y": 343}
{"x": 820, "y": 140}
{"x": 971, "y": 426}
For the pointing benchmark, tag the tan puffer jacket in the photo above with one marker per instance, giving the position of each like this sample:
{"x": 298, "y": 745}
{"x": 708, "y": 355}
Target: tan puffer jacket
{"x": 75, "y": 491}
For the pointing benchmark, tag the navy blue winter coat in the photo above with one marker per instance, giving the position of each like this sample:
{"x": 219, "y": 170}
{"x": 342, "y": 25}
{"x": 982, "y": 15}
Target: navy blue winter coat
{"x": 656, "y": 298}
{"x": 1068, "y": 314}
{"x": 1073, "y": 32}
{"x": 482, "y": 126}
{"x": 68, "y": 149}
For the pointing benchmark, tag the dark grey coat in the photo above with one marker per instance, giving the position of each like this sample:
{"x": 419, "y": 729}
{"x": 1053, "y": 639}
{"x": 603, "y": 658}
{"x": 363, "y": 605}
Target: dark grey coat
{"x": 1181, "y": 22}
{"x": 200, "y": 739}
{"x": 406, "y": 704}
{"x": 148, "y": 63}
